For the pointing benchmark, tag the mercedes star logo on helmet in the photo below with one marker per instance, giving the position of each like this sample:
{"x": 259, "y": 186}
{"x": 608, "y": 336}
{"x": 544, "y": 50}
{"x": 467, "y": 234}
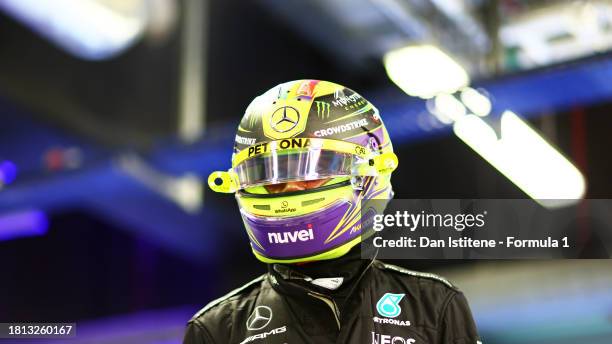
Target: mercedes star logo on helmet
{"x": 260, "y": 318}
{"x": 284, "y": 119}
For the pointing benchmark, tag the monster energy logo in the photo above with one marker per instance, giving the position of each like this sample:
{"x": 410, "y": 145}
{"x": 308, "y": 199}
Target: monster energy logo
{"x": 322, "y": 109}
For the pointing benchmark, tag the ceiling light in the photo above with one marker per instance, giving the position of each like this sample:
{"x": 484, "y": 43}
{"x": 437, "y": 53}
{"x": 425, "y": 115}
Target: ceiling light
{"x": 424, "y": 71}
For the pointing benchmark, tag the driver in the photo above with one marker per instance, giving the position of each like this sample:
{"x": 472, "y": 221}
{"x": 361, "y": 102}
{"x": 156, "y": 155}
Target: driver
{"x": 308, "y": 156}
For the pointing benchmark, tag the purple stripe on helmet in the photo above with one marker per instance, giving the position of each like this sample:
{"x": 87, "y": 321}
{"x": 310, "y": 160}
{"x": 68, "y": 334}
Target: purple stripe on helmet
{"x": 300, "y": 236}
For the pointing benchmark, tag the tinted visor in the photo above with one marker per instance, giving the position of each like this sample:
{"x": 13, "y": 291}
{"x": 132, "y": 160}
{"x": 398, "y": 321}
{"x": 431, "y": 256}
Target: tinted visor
{"x": 295, "y": 165}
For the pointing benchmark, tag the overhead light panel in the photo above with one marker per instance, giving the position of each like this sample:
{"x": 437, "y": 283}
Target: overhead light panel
{"x": 477, "y": 102}
{"x": 447, "y": 108}
{"x": 424, "y": 71}
{"x": 525, "y": 158}
{"x": 90, "y": 29}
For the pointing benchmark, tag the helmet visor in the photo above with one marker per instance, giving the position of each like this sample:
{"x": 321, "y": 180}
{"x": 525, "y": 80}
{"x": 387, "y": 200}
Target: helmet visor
{"x": 299, "y": 159}
{"x": 290, "y": 165}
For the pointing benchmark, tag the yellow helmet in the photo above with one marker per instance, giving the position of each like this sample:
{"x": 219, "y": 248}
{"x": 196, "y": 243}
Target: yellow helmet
{"x": 308, "y": 130}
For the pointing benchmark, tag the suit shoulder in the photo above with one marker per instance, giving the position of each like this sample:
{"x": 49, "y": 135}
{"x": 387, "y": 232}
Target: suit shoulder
{"x": 229, "y": 298}
{"x": 416, "y": 274}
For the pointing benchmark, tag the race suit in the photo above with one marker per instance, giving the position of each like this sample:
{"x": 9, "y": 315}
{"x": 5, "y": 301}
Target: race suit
{"x": 347, "y": 300}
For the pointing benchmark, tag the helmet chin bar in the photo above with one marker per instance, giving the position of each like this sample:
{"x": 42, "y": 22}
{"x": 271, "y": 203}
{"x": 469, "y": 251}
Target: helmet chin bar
{"x": 316, "y": 231}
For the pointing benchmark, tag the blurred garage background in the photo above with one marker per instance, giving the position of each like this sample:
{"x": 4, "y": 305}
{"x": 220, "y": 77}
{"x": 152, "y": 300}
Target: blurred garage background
{"x": 114, "y": 112}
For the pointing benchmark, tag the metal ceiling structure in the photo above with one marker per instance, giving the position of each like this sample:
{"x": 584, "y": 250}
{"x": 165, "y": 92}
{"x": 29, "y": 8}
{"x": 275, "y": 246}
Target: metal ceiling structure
{"x": 487, "y": 38}
{"x": 360, "y": 32}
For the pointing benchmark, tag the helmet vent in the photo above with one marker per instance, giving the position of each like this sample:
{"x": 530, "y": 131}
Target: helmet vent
{"x": 312, "y": 201}
{"x": 262, "y": 206}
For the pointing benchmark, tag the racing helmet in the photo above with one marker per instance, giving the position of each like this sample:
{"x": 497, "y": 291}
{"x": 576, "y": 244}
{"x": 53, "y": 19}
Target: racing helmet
{"x": 301, "y": 131}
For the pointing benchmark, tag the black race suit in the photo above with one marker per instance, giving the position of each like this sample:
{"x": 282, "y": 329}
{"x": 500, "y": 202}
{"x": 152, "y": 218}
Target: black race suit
{"x": 376, "y": 303}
